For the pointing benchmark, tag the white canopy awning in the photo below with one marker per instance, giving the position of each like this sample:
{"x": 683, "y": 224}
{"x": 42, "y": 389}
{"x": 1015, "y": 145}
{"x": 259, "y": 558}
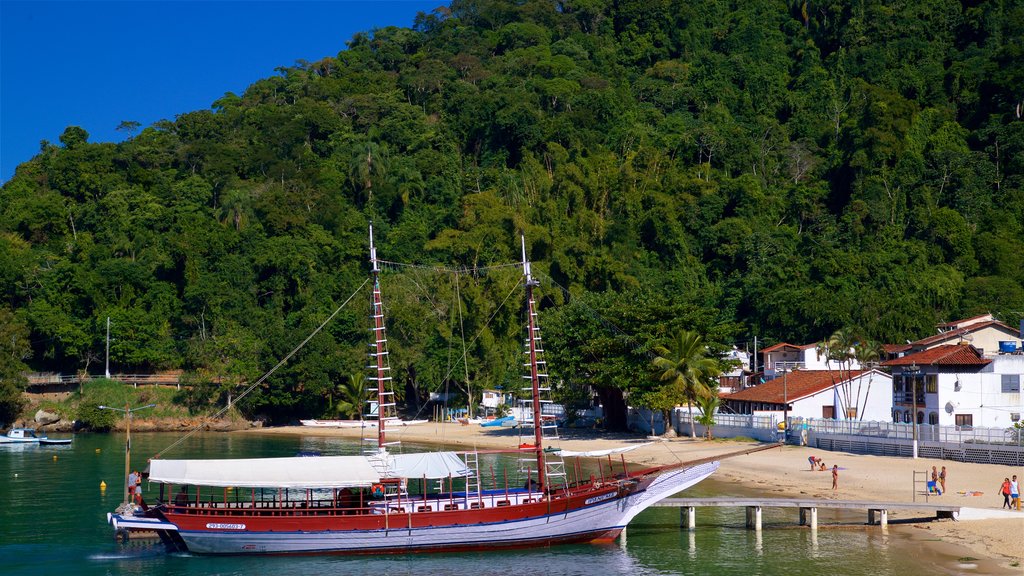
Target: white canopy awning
{"x": 425, "y": 465}
{"x": 298, "y": 472}
{"x": 306, "y": 472}
{"x": 598, "y": 453}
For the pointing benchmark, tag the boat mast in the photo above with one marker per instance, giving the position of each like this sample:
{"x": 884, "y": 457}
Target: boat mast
{"x": 533, "y": 335}
{"x": 382, "y": 370}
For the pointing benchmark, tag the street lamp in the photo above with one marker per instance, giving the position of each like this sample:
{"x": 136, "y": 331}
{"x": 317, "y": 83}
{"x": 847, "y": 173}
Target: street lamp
{"x": 128, "y": 440}
{"x": 913, "y": 371}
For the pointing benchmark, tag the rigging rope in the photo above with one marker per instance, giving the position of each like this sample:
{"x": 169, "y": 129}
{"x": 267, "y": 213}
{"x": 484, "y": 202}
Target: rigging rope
{"x": 284, "y": 360}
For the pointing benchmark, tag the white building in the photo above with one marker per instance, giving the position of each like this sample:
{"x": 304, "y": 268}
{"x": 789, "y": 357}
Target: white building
{"x": 784, "y": 356}
{"x": 956, "y": 384}
{"x": 736, "y": 378}
{"x": 819, "y": 394}
{"x": 491, "y": 399}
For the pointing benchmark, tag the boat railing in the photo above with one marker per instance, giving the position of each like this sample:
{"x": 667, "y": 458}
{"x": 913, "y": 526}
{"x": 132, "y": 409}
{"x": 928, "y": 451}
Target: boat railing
{"x": 438, "y": 502}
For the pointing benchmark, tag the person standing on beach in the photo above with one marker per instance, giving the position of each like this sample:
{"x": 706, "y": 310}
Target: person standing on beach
{"x": 942, "y": 478}
{"x": 835, "y": 476}
{"x": 1014, "y": 493}
{"x": 1005, "y": 491}
{"x": 933, "y": 486}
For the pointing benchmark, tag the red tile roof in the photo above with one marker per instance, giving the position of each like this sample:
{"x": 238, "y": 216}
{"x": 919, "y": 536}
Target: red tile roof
{"x": 942, "y": 355}
{"x": 798, "y": 384}
{"x": 781, "y": 345}
{"x": 778, "y": 346}
{"x": 952, "y": 334}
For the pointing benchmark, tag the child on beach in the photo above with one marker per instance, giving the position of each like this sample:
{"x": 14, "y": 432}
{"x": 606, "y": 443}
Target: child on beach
{"x": 835, "y": 477}
{"x": 933, "y": 484}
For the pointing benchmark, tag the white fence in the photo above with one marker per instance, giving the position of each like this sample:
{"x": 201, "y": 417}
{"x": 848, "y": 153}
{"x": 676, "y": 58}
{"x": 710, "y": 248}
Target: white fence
{"x": 962, "y": 443}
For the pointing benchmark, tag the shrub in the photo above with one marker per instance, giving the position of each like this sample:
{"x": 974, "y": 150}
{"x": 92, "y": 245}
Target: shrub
{"x": 93, "y": 418}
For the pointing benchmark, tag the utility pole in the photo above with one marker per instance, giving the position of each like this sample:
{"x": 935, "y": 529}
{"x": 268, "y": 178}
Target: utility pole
{"x": 913, "y": 370}
{"x": 106, "y": 371}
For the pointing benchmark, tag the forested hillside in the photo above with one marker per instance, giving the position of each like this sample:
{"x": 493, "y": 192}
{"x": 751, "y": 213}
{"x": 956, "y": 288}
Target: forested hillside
{"x": 770, "y": 168}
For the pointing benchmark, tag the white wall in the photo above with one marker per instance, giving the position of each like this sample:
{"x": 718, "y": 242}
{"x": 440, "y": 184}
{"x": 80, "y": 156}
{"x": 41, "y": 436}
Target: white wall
{"x": 980, "y": 395}
{"x": 875, "y": 403}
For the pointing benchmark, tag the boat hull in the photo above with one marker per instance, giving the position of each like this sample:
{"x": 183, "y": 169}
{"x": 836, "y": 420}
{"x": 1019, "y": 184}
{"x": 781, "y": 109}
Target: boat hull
{"x": 599, "y": 516}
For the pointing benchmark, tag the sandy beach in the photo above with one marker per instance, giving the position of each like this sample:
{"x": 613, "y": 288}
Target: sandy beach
{"x": 982, "y": 527}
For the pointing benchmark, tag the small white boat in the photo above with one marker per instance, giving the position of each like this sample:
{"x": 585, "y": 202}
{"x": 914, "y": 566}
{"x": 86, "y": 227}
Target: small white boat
{"x": 30, "y": 436}
{"x": 45, "y": 441}
{"x": 358, "y": 423}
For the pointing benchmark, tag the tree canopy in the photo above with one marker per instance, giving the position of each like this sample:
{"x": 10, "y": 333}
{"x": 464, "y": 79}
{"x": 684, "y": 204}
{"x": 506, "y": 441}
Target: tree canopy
{"x": 772, "y": 168}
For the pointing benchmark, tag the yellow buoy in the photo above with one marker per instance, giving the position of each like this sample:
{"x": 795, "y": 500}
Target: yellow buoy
{"x": 103, "y": 486}
{"x": 97, "y": 450}
{"x": 54, "y": 457}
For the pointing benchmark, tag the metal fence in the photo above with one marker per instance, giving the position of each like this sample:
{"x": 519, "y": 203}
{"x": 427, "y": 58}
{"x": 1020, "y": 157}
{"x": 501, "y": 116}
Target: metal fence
{"x": 961, "y": 443}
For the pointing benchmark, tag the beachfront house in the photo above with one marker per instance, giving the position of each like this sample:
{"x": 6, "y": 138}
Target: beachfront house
{"x": 784, "y": 357}
{"x": 860, "y": 394}
{"x": 988, "y": 335}
{"x": 735, "y": 379}
{"x": 958, "y": 385}
{"x": 491, "y": 399}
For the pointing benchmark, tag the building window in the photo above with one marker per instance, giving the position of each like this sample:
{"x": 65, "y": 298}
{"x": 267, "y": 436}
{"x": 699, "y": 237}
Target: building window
{"x": 931, "y": 383}
{"x": 920, "y": 417}
{"x": 897, "y": 416}
{"x": 828, "y": 411}
{"x": 1010, "y": 383}
{"x": 933, "y": 418}
{"x": 906, "y": 416}
{"x": 964, "y": 420}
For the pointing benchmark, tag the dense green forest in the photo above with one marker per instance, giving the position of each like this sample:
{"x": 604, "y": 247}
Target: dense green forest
{"x": 772, "y": 168}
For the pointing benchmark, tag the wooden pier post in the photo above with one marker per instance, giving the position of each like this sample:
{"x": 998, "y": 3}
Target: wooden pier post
{"x": 754, "y": 517}
{"x": 814, "y": 517}
{"x": 883, "y": 516}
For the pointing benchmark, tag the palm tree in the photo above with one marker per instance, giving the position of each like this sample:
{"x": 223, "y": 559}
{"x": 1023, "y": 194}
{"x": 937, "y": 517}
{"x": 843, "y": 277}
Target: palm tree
{"x": 352, "y": 396}
{"x": 708, "y": 405}
{"x": 685, "y": 369}
{"x": 838, "y": 348}
{"x": 867, "y": 354}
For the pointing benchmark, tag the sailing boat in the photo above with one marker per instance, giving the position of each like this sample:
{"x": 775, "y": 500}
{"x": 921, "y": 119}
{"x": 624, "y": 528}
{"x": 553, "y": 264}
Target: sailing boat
{"x": 384, "y": 502}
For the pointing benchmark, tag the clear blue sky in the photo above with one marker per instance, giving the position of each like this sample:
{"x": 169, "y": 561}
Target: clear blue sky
{"x": 93, "y": 64}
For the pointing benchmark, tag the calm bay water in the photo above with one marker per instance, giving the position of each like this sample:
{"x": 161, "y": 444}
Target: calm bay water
{"x": 53, "y": 521}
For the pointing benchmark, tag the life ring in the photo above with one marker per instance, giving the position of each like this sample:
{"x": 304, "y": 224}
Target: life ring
{"x": 377, "y": 490}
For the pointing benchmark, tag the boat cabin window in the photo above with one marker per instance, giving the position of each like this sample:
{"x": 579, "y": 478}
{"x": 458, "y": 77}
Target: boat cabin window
{"x": 503, "y": 503}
